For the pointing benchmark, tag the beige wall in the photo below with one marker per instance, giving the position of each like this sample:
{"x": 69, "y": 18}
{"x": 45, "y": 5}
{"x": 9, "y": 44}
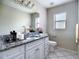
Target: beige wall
{"x": 12, "y": 19}
{"x": 65, "y": 38}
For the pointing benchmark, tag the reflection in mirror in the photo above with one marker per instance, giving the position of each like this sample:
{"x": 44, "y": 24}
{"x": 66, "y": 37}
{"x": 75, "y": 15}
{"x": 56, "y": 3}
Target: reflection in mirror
{"x": 35, "y": 20}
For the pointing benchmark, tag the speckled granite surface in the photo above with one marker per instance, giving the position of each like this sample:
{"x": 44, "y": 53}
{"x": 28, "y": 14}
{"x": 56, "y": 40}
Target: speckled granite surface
{"x": 6, "y": 46}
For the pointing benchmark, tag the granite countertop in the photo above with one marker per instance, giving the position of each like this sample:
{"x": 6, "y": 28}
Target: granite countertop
{"x": 7, "y": 46}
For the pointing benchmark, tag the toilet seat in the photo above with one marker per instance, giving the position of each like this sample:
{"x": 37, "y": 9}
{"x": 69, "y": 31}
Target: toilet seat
{"x": 53, "y": 43}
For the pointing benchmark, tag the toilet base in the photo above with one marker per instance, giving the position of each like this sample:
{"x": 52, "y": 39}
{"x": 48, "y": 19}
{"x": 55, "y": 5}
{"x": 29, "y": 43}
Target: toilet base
{"x": 52, "y": 48}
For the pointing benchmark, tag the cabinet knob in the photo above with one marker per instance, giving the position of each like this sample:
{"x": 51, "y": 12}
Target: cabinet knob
{"x": 37, "y": 49}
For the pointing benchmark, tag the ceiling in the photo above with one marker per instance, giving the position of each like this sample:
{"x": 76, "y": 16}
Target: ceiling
{"x": 52, "y": 3}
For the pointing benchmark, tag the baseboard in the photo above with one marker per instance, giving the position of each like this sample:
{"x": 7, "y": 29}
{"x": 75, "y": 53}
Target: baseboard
{"x": 68, "y": 50}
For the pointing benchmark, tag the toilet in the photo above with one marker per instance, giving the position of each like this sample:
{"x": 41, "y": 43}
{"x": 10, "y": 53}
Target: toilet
{"x": 52, "y": 46}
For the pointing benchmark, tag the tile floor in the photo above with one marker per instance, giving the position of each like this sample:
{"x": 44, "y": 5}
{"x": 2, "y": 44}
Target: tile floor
{"x": 62, "y": 54}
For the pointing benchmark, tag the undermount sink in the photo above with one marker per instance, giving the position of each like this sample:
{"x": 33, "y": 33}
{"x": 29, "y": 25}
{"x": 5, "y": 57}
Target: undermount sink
{"x": 30, "y": 39}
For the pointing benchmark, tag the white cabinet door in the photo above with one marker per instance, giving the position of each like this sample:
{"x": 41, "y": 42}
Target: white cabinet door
{"x": 32, "y": 54}
{"x": 15, "y": 53}
{"x": 21, "y": 56}
{"x": 35, "y": 53}
{"x": 41, "y": 48}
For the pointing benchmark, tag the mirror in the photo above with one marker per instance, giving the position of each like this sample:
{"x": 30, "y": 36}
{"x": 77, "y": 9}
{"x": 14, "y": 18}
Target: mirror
{"x": 35, "y": 20}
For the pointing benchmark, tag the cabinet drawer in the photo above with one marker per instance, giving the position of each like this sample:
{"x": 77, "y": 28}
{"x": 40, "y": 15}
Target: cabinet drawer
{"x": 14, "y": 51}
{"x": 35, "y": 43}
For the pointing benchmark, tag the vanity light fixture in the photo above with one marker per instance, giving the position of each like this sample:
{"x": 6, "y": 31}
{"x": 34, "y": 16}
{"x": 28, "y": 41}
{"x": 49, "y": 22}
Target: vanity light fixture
{"x": 26, "y": 3}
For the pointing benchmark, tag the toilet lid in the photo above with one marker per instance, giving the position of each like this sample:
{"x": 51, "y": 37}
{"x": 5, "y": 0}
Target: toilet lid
{"x": 52, "y": 42}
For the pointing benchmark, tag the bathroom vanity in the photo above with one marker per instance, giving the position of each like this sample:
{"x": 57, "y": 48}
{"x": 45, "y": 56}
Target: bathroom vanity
{"x": 26, "y": 49}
